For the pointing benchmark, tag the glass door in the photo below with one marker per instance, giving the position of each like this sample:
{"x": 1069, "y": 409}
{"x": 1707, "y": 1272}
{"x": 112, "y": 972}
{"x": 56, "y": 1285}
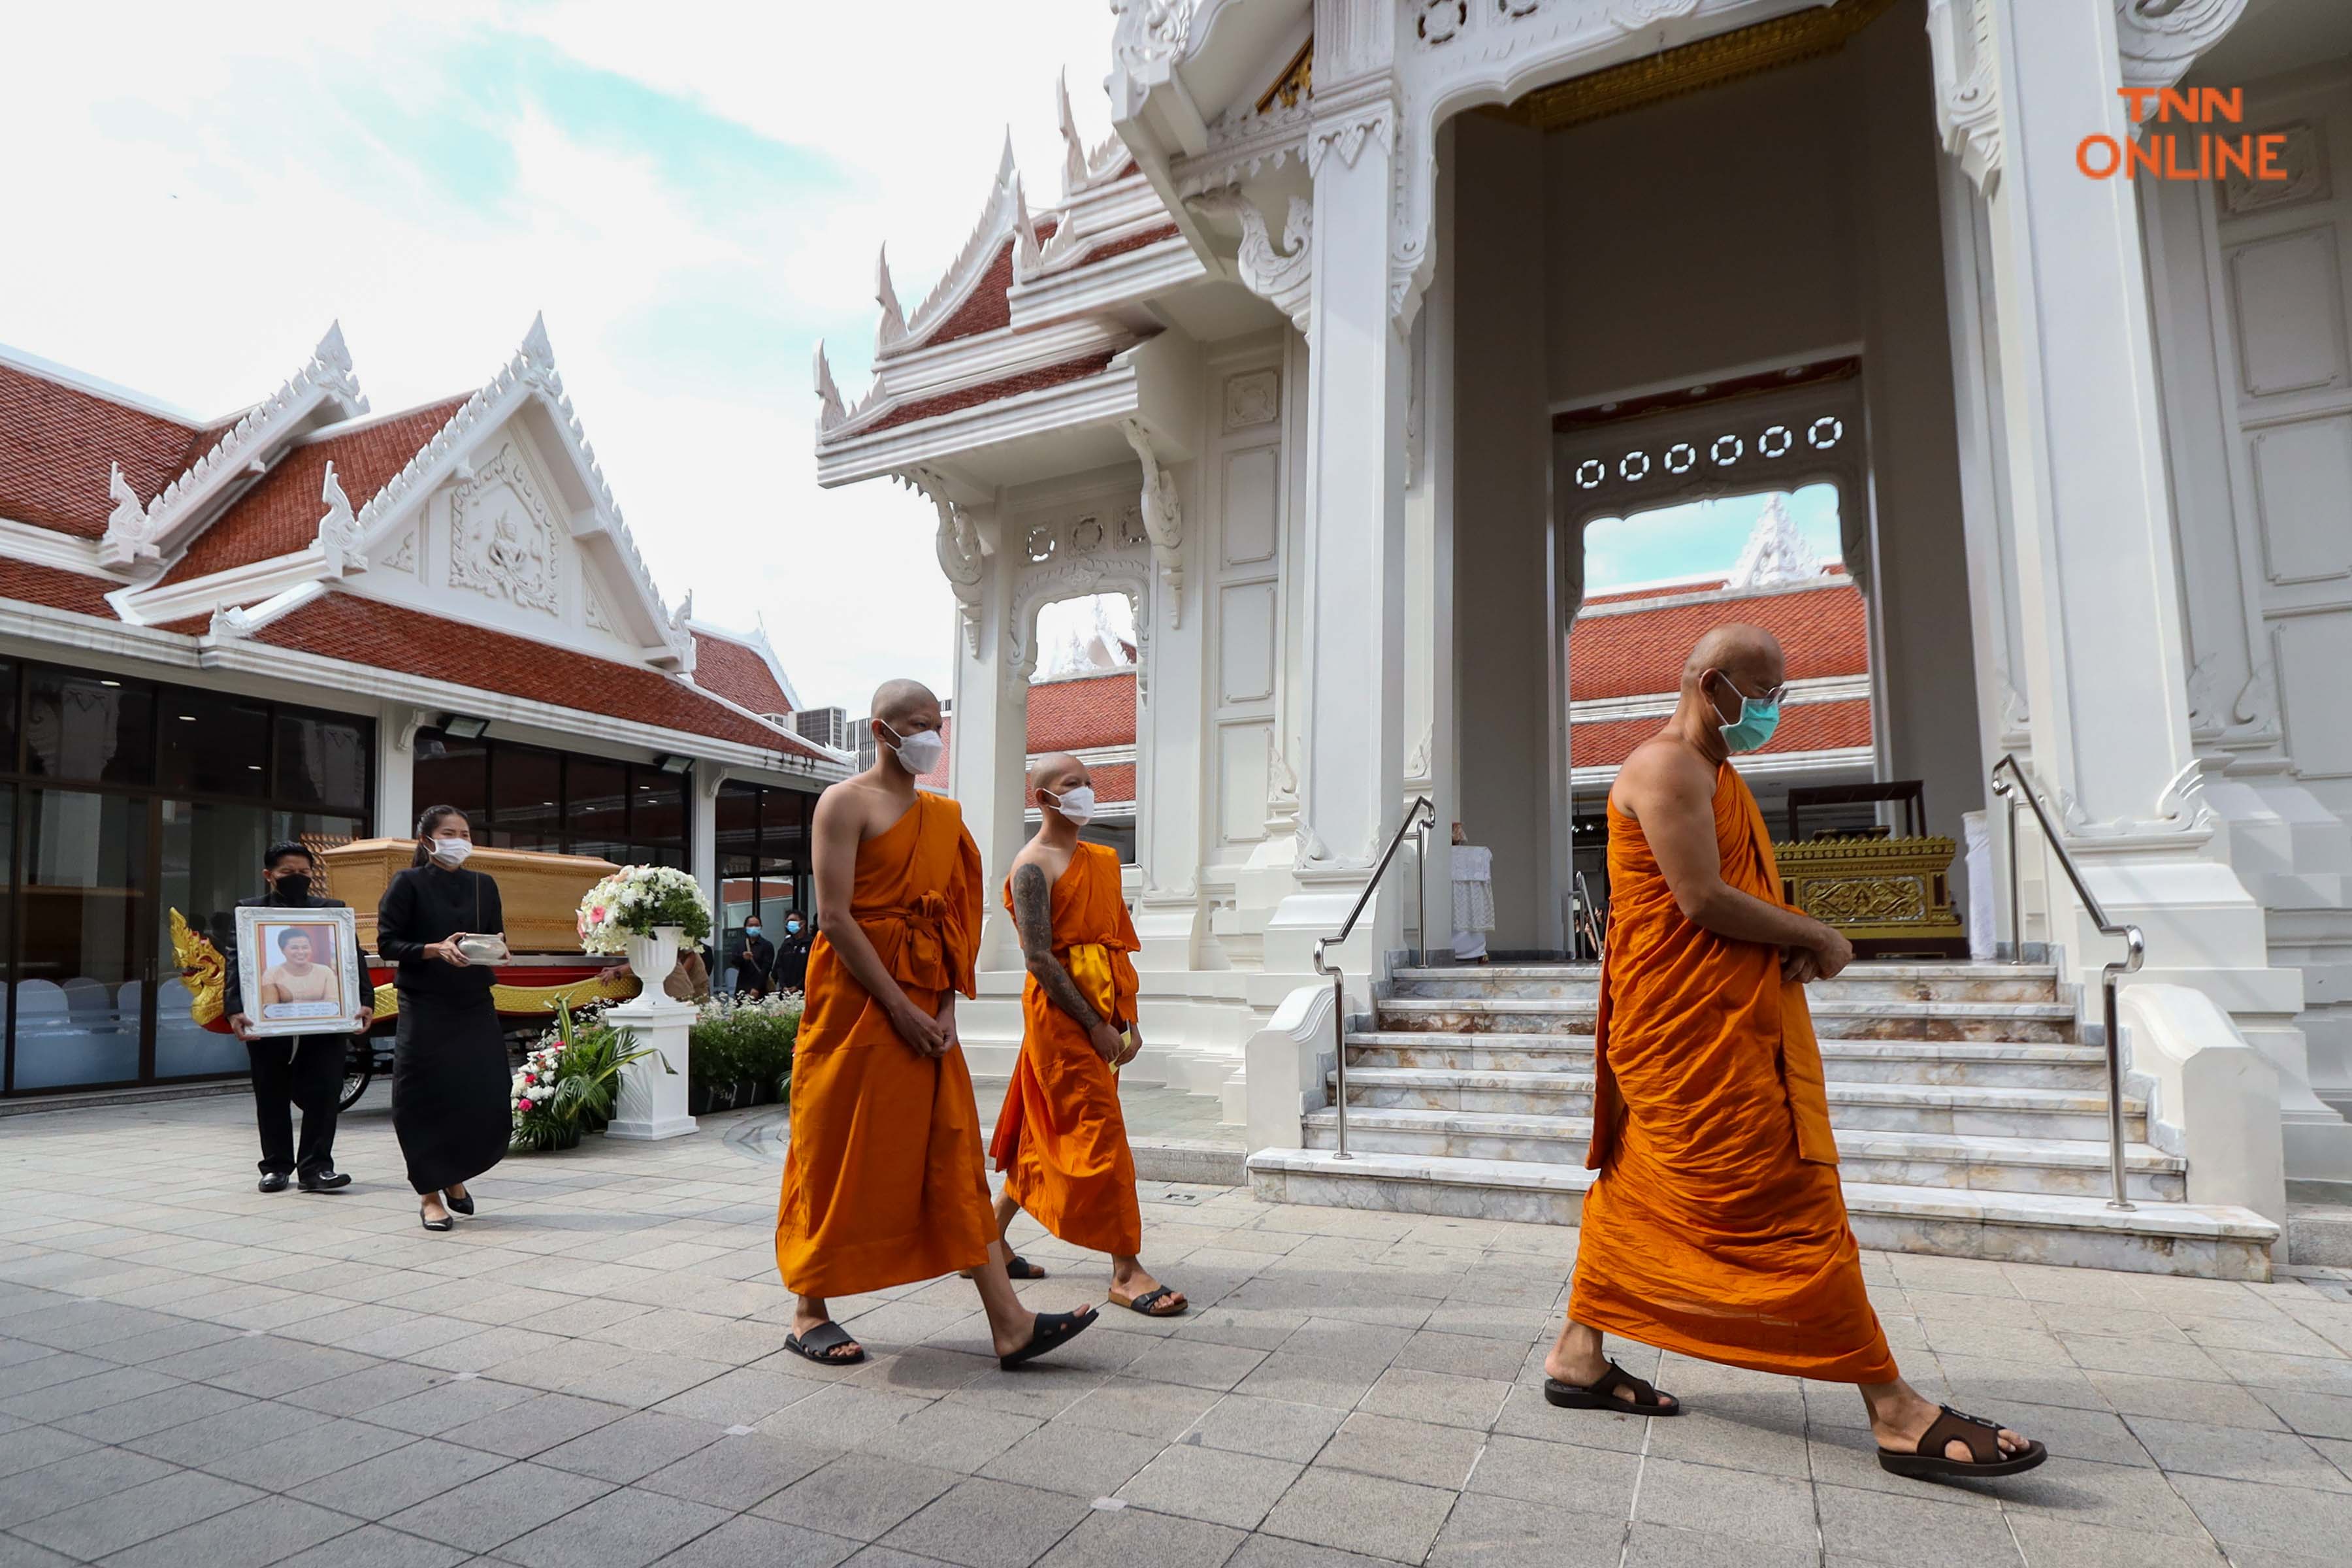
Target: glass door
{"x": 84, "y": 967}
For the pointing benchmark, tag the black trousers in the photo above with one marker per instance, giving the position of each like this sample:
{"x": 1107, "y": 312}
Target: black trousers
{"x": 313, "y": 1080}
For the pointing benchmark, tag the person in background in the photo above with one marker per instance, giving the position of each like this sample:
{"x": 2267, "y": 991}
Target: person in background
{"x": 793, "y": 953}
{"x": 1474, "y": 898}
{"x": 302, "y": 1069}
{"x": 449, "y": 1076}
{"x": 755, "y": 960}
{"x": 689, "y": 978}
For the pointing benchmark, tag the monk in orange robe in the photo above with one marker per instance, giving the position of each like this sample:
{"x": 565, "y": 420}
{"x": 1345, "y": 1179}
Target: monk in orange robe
{"x": 884, "y": 1183}
{"x": 1716, "y": 1227}
{"x": 1061, "y": 1140}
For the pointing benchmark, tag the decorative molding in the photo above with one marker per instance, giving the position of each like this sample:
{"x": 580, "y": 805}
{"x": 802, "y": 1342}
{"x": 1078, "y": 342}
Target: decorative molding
{"x": 1284, "y": 278}
{"x": 957, "y": 546}
{"x": 228, "y": 621}
{"x": 899, "y": 331}
{"x": 830, "y": 409}
{"x": 594, "y": 614}
{"x": 1083, "y": 168}
{"x": 2016, "y": 715}
{"x": 1347, "y": 132}
{"x": 338, "y": 531}
{"x": 1633, "y": 16}
{"x": 1162, "y": 515}
{"x": 497, "y": 552}
{"x": 1253, "y": 397}
{"x": 1077, "y": 577}
{"x": 2159, "y": 40}
{"x": 404, "y": 734}
{"x": 404, "y": 554}
{"x": 1416, "y": 766}
{"x": 893, "y": 325}
{"x": 128, "y": 539}
{"x": 1967, "y": 90}
{"x": 2304, "y": 160}
{"x": 1150, "y": 34}
{"x": 1775, "y": 552}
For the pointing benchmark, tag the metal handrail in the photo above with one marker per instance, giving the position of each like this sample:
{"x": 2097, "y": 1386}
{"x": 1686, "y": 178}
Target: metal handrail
{"x": 1423, "y": 813}
{"x": 2134, "y": 948}
{"x": 1589, "y": 916}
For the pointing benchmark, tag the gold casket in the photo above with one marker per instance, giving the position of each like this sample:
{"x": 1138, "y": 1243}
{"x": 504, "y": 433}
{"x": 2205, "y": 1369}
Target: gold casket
{"x": 539, "y": 893}
{"x": 1889, "y": 897}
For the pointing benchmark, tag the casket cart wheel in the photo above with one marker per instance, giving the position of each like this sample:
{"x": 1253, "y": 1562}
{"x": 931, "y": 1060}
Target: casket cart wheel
{"x": 359, "y": 1070}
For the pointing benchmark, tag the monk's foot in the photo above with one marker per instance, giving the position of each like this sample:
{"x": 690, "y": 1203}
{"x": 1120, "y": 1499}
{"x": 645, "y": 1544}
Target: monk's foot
{"x": 1133, "y": 1287}
{"x": 817, "y": 1336}
{"x": 1576, "y": 1362}
{"x": 1013, "y": 1334}
{"x": 1898, "y": 1427}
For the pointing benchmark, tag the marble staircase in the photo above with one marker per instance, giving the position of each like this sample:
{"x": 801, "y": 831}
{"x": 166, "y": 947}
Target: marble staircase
{"x": 1970, "y": 1118}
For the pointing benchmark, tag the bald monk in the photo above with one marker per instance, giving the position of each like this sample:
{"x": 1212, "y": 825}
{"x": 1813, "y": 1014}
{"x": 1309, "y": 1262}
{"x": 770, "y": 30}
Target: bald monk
{"x": 1716, "y": 1227}
{"x": 884, "y": 1183}
{"x": 1061, "y": 1140}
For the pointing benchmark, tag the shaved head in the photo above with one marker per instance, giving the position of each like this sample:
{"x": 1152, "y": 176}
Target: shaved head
{"x": 1747, "y": 653}
{"x": 899, "y": 699}
{"x": 1055, "y": 770}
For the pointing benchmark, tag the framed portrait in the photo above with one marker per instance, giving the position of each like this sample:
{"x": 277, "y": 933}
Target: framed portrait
{"x": 299, "y": 970}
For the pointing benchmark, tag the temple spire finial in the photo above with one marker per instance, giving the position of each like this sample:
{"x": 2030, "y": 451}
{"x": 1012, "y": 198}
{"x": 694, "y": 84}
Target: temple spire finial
{"x": 885, "y": 294}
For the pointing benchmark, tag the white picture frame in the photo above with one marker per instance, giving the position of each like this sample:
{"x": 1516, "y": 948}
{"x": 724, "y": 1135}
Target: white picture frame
{"x": 314, "y": 992}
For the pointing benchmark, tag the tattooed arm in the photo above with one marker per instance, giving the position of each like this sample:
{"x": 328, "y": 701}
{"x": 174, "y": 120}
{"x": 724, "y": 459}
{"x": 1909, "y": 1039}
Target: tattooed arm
{"x": 1032, "y": 915}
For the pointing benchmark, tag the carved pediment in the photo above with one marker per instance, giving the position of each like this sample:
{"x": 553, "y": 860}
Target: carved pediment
{"x": 504, "y": 539}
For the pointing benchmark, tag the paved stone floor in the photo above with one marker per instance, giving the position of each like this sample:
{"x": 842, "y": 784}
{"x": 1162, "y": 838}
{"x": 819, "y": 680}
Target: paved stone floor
{"x": 191, "y": 1373}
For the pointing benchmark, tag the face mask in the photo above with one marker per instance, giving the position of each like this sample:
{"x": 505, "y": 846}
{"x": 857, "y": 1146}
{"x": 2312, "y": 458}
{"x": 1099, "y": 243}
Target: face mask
{"x": 750, "y": 931}
{"x": 1754, "y": 727}
{"x": 1076, "y": 805}
{"x": 919, "y": 753}
{"x": 294, "y": 887}
{"x": 792, "y": 928}
{"x": 451, "y": 852}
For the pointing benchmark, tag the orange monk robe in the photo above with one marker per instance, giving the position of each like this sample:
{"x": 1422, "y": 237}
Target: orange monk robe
{"x": 1061, "y": 1140}
{"x": 1716, "y": 1227}
{"x": 884, "y": 1182}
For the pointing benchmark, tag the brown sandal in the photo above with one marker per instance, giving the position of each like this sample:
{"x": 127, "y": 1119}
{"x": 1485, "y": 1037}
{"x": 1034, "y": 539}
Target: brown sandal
{"x": 1602, "y": 1395}
{"x": 1983, "y": 1438}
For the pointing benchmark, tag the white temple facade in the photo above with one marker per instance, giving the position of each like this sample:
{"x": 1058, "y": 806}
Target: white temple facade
{"x": 1300, "y": 361}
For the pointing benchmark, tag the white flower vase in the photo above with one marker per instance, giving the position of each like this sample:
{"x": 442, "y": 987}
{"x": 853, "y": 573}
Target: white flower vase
{"x": 653, "y": 954}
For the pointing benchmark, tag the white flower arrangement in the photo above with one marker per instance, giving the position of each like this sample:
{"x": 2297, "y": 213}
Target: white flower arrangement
{"x": 634, "y": 900}
{"x": 536, "y": 1080}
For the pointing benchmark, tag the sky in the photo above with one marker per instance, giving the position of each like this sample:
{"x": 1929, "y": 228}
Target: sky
{"x": 1699, "y": 538}
{"x": 693, "y": 193}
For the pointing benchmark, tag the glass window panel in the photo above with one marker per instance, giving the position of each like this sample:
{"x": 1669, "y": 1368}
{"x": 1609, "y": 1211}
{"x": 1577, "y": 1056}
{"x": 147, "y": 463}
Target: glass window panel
{"x": 213, "y": 744}
{"x": 211, "y": 858}
{"x": 448, "y": 772}
{"x": 526, "y": 810}
{"x": 738, "y": 818}
{"x": 658, "y": 813}
{"x": 323, "y": 762}
{"x": 82, "y": 941}
{"x": 7, "y": 907}
{"x": 597, "y": 809}
{"x": 88, "y": 727}
{"x": 783, "y": 827}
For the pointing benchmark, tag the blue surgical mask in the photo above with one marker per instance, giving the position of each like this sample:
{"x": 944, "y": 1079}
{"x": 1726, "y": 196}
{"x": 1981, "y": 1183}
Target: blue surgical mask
{"x": 1758, "y": 717}
{"x": 793, "y": 927}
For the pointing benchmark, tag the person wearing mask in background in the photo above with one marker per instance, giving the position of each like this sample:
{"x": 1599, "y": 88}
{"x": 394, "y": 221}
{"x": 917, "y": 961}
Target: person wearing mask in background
{"x": 755, "y": 960}
{"x": 451, "y": 1082}
{"x": 690, "y": 977}
{"x": 304, "y": 1070}
{"x": 793, "y": 953}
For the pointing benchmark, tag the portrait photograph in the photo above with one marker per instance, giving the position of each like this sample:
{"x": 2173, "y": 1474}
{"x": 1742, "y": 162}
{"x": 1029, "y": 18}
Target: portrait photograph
{"x": 299, "y": 970}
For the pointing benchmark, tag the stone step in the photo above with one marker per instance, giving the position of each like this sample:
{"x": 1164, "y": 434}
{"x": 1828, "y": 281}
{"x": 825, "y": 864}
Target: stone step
{"x": 2205, "y": 1241}
{"x": 1938, "y": 1161}
{"x": 2048, "y": 1023}
{"x": 2042, "y": 1113}
{"x": 1888, "y": 982}
{"x": 1984, "y": 1064}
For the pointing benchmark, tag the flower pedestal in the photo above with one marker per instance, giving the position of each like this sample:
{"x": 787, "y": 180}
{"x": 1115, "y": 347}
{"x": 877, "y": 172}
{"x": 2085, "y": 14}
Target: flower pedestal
{"x": 653, "y": 954}
{"x": 652, "y": 1101}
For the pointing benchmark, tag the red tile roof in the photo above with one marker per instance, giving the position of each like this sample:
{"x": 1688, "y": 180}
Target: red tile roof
{"x": 1696, "y": 586}
{"x": 1804, "y": 726}
{"x": 1114, "y": 783}
{"x": 57, "y": 589}
{"x": 987, "y": 308}
{"x": 992, "y": 391}
{"x": 1824, "y": 632}
{"x": 56, "y": 441}
{"x": 739, "y": 673}
{"x": 280, "y": 515}
{"x": 1082, "y": 714}
{"x": 387, "y": 636}
{"x": 1132, "y": 242}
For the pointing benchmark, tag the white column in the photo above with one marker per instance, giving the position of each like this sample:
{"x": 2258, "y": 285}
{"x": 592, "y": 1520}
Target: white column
{"x": 702, "y": 833}
{"x": 2102, "y": 634}
{"x": 1353, "y": 637}
{"x": 1171, "y": 730}
{"x": 1437, "y": 481}
{"x": 988, "y": 756}
{"x": 395, "y": 769}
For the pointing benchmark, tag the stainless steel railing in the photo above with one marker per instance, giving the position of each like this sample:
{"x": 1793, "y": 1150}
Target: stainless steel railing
{"x": 1591, "y": 918}
{"x": 1421, "y": 814}
{"x": 2134, "y": 948}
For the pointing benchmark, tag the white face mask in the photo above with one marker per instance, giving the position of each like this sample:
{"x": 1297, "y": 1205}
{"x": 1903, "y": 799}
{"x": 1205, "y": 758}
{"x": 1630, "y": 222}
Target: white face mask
{"x": 1076, "y": 805}
{"x": 919, "y": 753}
{"x": 451, "y": 852}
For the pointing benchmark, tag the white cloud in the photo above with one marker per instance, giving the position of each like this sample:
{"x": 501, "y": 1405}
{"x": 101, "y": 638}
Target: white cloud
{"x": 187, "y": 203}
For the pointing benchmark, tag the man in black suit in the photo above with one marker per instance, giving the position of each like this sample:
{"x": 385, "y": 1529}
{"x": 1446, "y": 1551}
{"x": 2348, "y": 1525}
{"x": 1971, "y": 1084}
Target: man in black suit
{"x": 755, "y": 960}
{"x": 793, "y": 953}
{"x": 302, "y": 1070}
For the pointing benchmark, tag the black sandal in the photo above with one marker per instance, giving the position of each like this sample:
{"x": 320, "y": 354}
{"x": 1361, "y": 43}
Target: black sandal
{"x": 1983, "y": 1440}
{"x": 1053, "y": 1329}
{"x": 1602, "y": 1395}
{"x": 1148, "y": 1303}
{"x": 1019, "y": 1268}
{"x": 822, "y": 1341}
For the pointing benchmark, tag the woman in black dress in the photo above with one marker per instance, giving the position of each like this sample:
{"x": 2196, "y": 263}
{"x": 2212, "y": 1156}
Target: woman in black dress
{"x": 450, "y": 1084}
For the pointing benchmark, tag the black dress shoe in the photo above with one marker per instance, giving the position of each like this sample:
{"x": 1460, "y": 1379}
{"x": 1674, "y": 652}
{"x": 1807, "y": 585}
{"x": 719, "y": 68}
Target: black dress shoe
{"x": 324, "y": 1182}
{"x": 275, "y": 1182}
{"x": 444, "y": 1223}
{"x": 464, "y": 1205}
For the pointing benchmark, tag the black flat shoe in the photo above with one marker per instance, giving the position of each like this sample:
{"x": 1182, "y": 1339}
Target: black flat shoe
{"x": 464, "y": 1205}
{"x": 324, "y": 1182}
{"x": 274, "y": 1182}
{"x": 444, "y": 1223}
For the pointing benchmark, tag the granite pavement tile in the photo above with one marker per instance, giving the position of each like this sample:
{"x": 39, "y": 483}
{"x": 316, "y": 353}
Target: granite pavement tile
{"x": 1367, "y": 1514}
{"x": 490, "y": 1510}
{"x": 1085, "y": 1462}
{"x": 861, "y": 1497}
{"x": 738, "y": 1470}
{"x": 749, "y": 1542}
{"x": 1487, "y": 1531}
{"x": 106, "y": 1525}
{"x": 625, "y": 1528}
{"x": 1128, "y": 1538}
{"x": 982, "y": 1523}
{"x": 1212, "y": 1484}
{"x": 256, "y": 1533}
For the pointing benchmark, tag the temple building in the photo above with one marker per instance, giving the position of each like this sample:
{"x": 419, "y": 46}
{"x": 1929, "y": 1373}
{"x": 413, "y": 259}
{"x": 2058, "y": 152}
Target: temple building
{"x": 306, "y": 619}
{"x": 1329, "y": 353}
